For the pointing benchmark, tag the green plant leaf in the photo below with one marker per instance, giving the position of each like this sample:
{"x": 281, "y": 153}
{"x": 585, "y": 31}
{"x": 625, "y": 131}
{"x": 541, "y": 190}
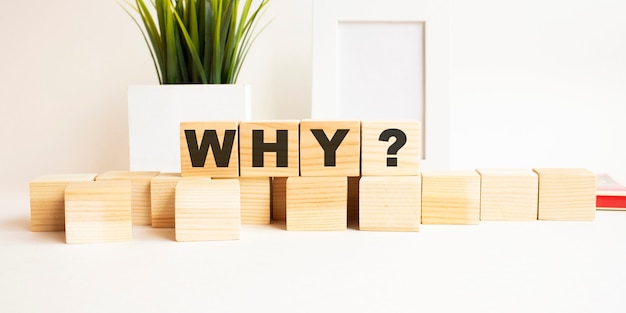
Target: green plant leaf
{"x": 197, "y": 63}
{"x": 145, "y": 38}
{"x": 197, "y": 41}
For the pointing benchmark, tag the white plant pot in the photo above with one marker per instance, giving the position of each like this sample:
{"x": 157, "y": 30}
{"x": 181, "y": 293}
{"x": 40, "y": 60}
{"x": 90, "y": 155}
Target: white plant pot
{"x": 155, "y": 113}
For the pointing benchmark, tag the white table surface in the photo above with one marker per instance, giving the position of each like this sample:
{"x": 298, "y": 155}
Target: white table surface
{"x": 492, "y": 267}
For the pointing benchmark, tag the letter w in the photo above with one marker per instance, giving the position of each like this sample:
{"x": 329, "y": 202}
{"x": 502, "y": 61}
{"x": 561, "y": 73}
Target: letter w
{"x": 209, "y": 139}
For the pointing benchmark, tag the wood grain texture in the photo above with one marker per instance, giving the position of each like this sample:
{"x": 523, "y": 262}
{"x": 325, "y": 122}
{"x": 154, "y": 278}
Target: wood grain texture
{"x": 390, "y": 203}
{"x": 566, "y": 194}
{"x": 210, "y": 168}
{"x": 317, "y": 203}
{"x": 98, "y": 211}
{"x": 207, "y": 209}
{"x": 270, "y": 167}
{"x": 374, "y": 151}
{"x": 162, "y": 199}
{"x": 347, "y": 155}
{"x": 279, "y": 198}
{"x": 508, "y": 194}
{"x": 47, "y": 200}
{"x": 255, "y": 199}
{"x": 140, "y": 192}
{"x": 450, "y": 197}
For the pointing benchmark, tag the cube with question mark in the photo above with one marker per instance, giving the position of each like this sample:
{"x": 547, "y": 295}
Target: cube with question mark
{"x": 390, "y": 148}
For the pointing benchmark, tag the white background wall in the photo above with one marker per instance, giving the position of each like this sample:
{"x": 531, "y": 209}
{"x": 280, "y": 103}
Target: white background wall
{"x": 533, "y": 83}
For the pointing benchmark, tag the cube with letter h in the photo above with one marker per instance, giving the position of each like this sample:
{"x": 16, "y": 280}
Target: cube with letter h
{"x": 269, "y": 148}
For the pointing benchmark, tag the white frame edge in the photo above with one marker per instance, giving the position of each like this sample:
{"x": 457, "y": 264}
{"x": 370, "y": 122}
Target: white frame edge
{"x": 435, "y": 16}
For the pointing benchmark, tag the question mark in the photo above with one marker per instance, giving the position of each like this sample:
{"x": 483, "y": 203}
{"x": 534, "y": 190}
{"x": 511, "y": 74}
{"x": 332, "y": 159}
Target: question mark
{"x": 395, "y": 147}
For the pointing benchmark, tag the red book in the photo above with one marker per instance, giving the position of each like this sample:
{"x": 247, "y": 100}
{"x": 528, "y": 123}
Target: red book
{"x": 610, "y": 195}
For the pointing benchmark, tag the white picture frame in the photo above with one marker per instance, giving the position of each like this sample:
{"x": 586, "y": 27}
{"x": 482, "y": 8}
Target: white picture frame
{"x": 433, "y": 16}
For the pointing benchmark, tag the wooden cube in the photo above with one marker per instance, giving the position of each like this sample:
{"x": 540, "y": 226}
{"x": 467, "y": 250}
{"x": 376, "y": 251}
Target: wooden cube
{"x": 566, "y": 194}
{"x": 98, "y": 211}
{"x": 390, "y": 148}
{"x": 47, "y": 200}
{"x": 162, "y": 199}
{"x": 450, "y": 197}
{"x": 317, "y": 203}
{"x": 255, "y": 199}
{"x": 269, "y": 148}
{"x": 508, "y": 194}
{"x": 140, "y": 192}
{"x": 390, "y": 203}
{"x": 279, "y": 199}
{"x": 209, "y": 149}
{"x": 207, "y": 209}
{"x": 330, "y": 148}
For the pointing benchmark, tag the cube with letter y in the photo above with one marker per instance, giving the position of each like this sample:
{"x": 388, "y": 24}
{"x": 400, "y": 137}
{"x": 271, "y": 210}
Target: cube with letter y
{"x": 209, "y": 149}
{"x": 330, "y": 148}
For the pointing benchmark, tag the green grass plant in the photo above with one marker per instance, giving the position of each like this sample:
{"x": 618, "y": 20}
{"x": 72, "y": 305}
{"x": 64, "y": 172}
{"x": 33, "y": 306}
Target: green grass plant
{"x": 197, "y": 41}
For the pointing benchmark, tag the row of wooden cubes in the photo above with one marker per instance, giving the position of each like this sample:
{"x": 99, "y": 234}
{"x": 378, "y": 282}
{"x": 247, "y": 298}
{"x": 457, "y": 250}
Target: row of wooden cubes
{"x": 390, "y": 203}
{"x": 48, "y": 196}
{"x": 151, "y": 196}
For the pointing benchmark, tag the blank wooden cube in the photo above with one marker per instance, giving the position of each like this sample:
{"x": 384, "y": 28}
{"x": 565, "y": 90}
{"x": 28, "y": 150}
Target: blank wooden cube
{"x": 330, "y": 148}
{"x": 390, "y": 203}
{"x": 255, "y": 199}
{"x": 140, "y": 193}
{"x": 209, "y": 149}
{"x": 207, "y": 209}
{"x": 98, "y": 211}
{"x": 47, "y": 200}
{"x": 566, "y": 194}
{"x": 390, "y": 148}
{"x": 317, "y": 203}
{"x": 279, "y": 199}
{"x": 450, "y": 197}
{"x": 269, "y": 148}
{"x": 508, "y": 194}
{"x": 162, "y": 199}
